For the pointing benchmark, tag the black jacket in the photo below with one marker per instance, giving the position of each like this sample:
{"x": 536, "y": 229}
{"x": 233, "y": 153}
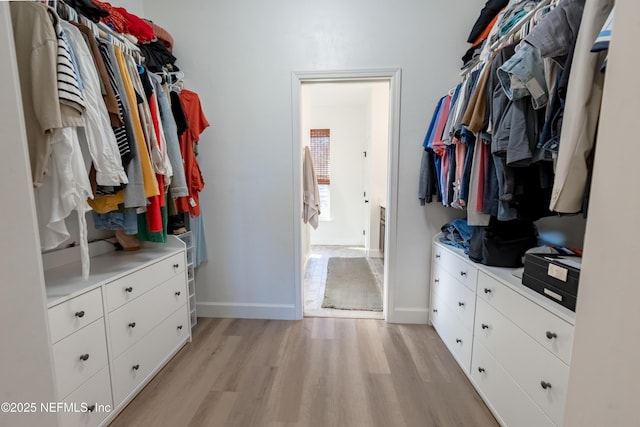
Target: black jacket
{"x": 488, "y": 12}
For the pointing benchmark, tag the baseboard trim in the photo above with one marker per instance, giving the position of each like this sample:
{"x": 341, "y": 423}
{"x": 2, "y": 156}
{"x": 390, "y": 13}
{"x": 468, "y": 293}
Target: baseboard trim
{"x": 246, "y": 310}
{"x": 374, "y": 253}
{"x": 414, "y": 315}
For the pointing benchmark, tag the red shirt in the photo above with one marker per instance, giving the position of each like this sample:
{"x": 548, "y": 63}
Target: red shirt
{"x": 197, "y": 123}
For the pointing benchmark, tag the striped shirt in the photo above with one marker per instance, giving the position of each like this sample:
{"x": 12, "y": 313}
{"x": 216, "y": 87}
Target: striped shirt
{"x": 120, "y": 132}
{"x": 69, "y": 84}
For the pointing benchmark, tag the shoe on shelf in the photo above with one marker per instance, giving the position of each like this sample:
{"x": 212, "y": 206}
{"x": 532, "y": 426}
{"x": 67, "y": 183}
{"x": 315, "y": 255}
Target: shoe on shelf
{"x": 179, "y": 230}
{"x": 129, "y": 242}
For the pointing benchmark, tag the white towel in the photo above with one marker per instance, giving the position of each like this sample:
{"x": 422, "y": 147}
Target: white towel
{"x": 310, "y": 193}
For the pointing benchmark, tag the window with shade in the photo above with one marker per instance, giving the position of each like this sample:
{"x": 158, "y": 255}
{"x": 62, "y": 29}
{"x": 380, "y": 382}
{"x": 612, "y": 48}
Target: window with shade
{"x": 319, "y": 145}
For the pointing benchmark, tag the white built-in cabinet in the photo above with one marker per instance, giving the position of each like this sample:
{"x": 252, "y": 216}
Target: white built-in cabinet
{"x": 112, "y": 333}
{"x": 71, "y": 355}
{"x": 512, "y": 343}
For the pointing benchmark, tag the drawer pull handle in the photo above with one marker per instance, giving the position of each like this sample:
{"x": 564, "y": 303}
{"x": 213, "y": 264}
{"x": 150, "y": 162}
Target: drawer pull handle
{"x": 463, "y": 273}
{"x": 487, "y": 290}
{"x": 545, "y": 385}
{"x": 79, "y": 313}
{"x": 178, "y": 293}
{"x": 438, "y": 256}
{"x": 135, "y": 367}
{"x": 436, "y": 280}
{"x": 435, "y": 310}
{"x": 458, "y": 340}
{"x": 176, "y": 266}
{"x": 132, "y": 324}
{"x": 485, "y": 326}
{"x": 460, "y": 304}
{"x": 84, "y": 357}
{"x": 91, "y": 408}
{"x": 129, "y": 289}
{"x": 179, "y": 327}
{"x": 551, "y": 335}
{"x": 481, "y": 370}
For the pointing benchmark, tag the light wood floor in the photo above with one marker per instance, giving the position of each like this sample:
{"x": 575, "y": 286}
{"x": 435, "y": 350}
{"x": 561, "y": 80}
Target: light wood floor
{"x": 313, "y": 372}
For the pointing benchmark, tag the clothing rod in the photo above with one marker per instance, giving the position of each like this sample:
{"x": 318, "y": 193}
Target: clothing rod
{"x": 520, "y": 23}
{"x": 512, "y": 31}
{"x": 104, "y": 27}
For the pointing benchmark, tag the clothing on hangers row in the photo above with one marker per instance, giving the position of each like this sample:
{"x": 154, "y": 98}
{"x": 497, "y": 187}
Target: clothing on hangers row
{"x": 493, "y": 141}
{"x": 117, "y": 122}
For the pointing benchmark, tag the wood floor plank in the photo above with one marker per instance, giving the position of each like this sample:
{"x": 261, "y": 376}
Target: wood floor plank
{"x": 316, "y": 372}
{"x": 425, "y": 350}
{"x": 214, "y": 410}
{"x": 371, "y": 350}
{"x": 410, "y": 388}
{"x": 286, "y": 395}
{"x": 184, "y": 382}
{"x": 318, "y": 395}
{"x": 350, "y": 387}
{"x": 383, "y": 401}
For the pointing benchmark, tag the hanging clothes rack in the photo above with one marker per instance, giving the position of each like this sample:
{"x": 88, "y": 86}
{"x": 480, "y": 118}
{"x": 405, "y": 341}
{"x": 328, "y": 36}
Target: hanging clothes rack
{"x": 519, "y": 30}
{"x": 518, "y": 26}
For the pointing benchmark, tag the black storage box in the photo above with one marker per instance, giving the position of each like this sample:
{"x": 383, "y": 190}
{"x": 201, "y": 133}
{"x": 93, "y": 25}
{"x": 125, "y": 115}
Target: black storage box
{"x": 554, "y": 276}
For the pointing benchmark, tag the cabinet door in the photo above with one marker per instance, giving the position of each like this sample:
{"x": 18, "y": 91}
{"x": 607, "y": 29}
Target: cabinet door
{"x": 550, "y": 331}
{"x": 135, "y": 365}
{"x": 79, "y": 356}
{"x": 92, "y": 401}
{"x": 538, "y": 372}
{"x": 455, "y": 336}
{"x": 74, "y": 314}
{"x": 462, "y": 269}
{"x": 134, "y": 320}
{"x": 130, "y": 287}
{"x": 453, "y": 296}
{"x": 508, "y": 401}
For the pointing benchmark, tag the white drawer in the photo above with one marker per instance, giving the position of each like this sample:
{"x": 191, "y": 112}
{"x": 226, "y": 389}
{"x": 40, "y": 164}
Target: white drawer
{"x": 461, "y": 269}
{"x": 507, "y": 399}
{"x": 76, "y": 313}
{"x": 92, "y": 400}
{"x": 70, "y": 353}
{"x": 134, "y": 366}
{"x": 539, "y": 373}
{"x": 132, "y": 321}
{"x": 456, "y": 337}
{"x": 553, "y": 333}
{"x": 437, "y": 308}
{"x": 135, "y": 284}
{"x": 455, "y": 296}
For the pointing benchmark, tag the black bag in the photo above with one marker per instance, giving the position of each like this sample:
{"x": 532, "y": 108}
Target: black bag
{"x": 475, "y": 244}
{"x": 502, "y": 243}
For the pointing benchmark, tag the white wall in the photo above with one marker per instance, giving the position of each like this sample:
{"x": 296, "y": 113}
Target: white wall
{"x": 239, "y": 56}
{"x": 26, "y": 368}
{"x": 133, "y": 6}
{"x": 604, "y": 382}
{"x": 378, "y": 158}
{"x": 350, "y": 126}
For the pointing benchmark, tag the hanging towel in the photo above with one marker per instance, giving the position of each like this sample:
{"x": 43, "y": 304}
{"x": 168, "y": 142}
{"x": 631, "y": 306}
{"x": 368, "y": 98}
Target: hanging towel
{"x": 311, "y": 195}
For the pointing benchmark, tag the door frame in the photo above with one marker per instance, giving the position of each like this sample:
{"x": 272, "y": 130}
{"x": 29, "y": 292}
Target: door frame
{"x": 393, "y": 76}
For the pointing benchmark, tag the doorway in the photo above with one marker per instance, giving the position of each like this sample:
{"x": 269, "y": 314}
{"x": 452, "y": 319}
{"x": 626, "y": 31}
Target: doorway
{"x": 359, "y": 112}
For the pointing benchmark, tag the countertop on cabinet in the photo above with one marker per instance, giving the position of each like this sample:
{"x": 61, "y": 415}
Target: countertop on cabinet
{"x": 63, "y": 269}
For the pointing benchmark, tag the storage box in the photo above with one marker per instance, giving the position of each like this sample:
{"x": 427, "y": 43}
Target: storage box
{"x": 554, "y": 276}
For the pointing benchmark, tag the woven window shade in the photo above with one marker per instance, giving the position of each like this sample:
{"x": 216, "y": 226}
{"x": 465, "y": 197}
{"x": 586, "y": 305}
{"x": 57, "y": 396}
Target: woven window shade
{"x": 319, "y": 146}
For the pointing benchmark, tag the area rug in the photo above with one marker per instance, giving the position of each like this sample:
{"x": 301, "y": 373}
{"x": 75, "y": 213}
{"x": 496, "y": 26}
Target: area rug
{"x": 351, "y": 285}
